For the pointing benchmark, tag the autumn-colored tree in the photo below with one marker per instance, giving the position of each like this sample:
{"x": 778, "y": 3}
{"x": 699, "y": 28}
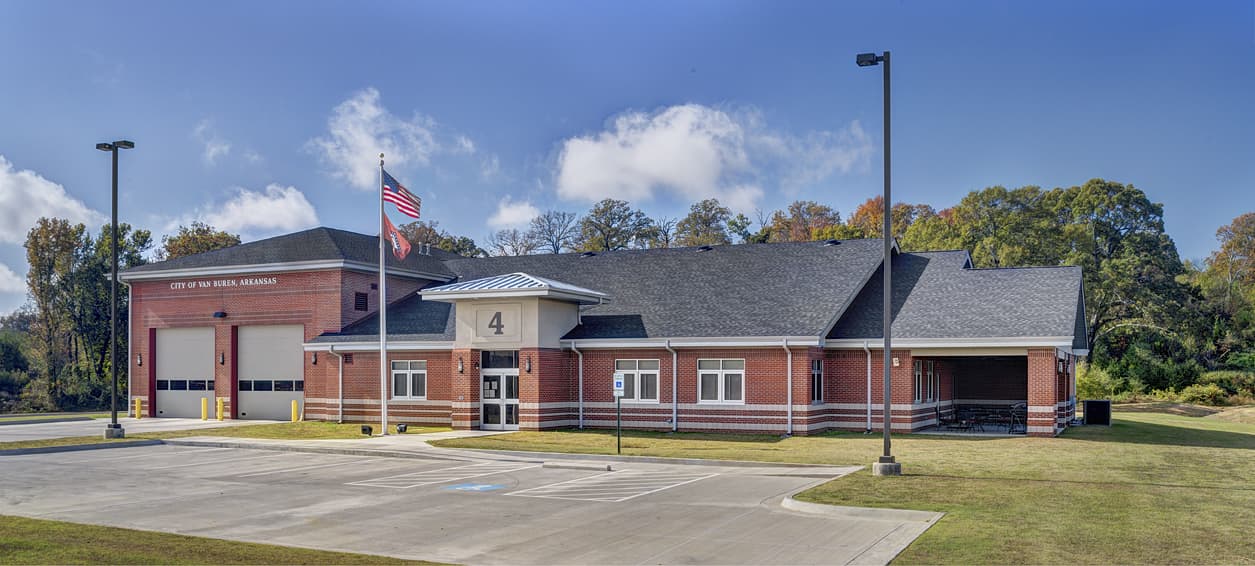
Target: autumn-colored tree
{"x": 195, "y": 239}
{"x": 800, "y": 221}
{"x": 50, "y": 251}
{"x": 868, "y": 219}
{"x": 428, "y": 232}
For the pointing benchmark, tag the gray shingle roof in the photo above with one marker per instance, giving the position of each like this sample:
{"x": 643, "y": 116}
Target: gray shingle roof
{"x": 410, "y": 319}
{"x": 328, "y": 244}
{"x": 787, "y": 289}
{"x": 935, "y": 296}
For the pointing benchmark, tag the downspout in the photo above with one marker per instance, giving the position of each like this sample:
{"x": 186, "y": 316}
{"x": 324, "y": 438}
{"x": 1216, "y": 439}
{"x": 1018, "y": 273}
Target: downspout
{"x": 788, "y": 427}
{"x": 869, "y": 385}
{"x": 339, "y": 385}
{"x": 675, "y": 398}
{"x": 580, "y": 371}
{"x": 129, "y": 355}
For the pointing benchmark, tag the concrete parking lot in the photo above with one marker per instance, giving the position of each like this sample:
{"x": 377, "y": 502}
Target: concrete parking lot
{"x": 96, "y": 427}
{"x": 478, "y": 511}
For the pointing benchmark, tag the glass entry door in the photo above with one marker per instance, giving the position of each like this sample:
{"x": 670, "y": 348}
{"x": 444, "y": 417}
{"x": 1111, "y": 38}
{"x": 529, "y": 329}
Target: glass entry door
{"x": 499, "y": 400}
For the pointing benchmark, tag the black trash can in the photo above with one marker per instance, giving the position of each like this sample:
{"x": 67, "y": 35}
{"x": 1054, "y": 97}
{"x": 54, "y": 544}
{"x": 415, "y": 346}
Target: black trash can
{"x": 1098, "y": 412}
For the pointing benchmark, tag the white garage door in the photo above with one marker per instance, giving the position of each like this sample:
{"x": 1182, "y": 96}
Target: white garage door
{"x": 185, "y": 371}
{"x": 272, "y": 371}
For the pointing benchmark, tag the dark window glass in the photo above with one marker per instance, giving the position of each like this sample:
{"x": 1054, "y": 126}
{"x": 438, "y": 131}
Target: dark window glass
{"x": 360, "y": 301}
{"x": 262, "y": 385}
{"x": 178, "y": 385}
{"x": 196, "y": 385}
{"x": 163, "y": 385}
{"x": 298, "y": 385}
{"x": 418, "y": 387}
{"x": 209, "y": 385}
{"x": 348, "y": 359}
{"x": 283, "y": 385}
{"x": 511, "y": 387}
{"x": 246, "y": 385}
{"x": 499, "y": 359}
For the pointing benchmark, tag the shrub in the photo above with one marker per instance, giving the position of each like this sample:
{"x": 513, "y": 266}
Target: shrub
{"x": 1093, "y": 382}
{"x": 1233, "y": 382}
{"x": 1204, "y": 394}
{"x": 1242, "y": 361}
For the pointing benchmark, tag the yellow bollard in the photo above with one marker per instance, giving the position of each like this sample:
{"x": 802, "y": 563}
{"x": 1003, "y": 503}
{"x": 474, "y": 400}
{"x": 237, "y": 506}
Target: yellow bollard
{"x": 221, "y": 411}
{"x": 295, "y": 409}
{"x": 139, "y": 408}
{"x": 204, "y": 408}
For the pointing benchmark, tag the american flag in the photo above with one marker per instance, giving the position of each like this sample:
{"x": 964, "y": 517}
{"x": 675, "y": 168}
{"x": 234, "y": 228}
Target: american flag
{"x": 394, "y": 193}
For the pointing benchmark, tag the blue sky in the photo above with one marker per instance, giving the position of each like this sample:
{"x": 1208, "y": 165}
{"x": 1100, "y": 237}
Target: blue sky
{"x": 263, "y": 117}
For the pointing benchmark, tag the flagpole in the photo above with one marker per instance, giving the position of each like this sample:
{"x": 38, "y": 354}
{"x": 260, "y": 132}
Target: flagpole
{"x": 383, "y": 316}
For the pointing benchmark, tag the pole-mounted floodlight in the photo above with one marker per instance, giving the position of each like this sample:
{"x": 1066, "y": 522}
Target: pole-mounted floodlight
{"x": 113, "y": 429}
{"x": 886, "y": 466}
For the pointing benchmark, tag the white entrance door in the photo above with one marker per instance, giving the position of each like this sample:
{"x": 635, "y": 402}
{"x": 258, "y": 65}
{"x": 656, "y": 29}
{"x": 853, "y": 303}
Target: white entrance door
{"x": 499, "y": 400}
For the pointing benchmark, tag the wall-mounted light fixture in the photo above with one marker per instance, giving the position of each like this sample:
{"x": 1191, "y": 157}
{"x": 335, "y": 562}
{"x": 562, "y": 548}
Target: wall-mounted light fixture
{"x": 529, "y": 365}
{"x": 222, "y": 359}
{"x": 461, "y": 369}
{"x": 313, "y": 359}
{"x": 139, "y": 360}
{"x": 896, "y": 362}
{"x": 220, "y": 314}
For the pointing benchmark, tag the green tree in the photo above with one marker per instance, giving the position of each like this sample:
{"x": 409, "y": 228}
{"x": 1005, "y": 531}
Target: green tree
{"x": 613, "y": 225}
{"x": 429, "y": 232}
{"x": 195, "y": 239}
{"x": 51, "y": 251}
{"x": 705, "y": 225}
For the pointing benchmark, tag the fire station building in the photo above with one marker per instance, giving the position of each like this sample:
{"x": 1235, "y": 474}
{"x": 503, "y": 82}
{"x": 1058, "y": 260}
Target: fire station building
{"x": 766, "y": 338}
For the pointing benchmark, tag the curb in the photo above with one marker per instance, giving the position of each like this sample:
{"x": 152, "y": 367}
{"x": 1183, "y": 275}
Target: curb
{"x": 314, "y": 449}
{"x": 862, "y": 513}
{"x": 643, "y": 459}
{"x": 588, "y": 467}
{"x": 79, "y": 447}
{"x": 7, "y": 422}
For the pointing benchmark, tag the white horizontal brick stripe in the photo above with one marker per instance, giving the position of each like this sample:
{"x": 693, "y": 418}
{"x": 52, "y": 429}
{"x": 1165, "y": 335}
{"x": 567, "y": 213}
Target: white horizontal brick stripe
{"x": 1041, "y": 409}
{"x": 1049, "y": 429}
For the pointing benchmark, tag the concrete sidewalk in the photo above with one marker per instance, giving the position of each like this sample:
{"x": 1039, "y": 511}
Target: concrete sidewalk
{"x": 96, "y": 427}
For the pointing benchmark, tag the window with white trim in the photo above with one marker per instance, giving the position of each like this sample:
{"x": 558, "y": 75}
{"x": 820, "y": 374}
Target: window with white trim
{"x": 934, "y": 384}
{"x": 409, "y": 379}
{"x": 817, "y": 381}
{"x": 919, "y": 381}
{"x": 640, "y": 380}
{"x": 721, "y": 381}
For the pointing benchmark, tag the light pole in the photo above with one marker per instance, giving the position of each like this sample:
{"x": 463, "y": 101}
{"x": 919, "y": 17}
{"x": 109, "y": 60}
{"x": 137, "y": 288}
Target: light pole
{"x": 886, "y": 465}
{"x": 113, "y": 429}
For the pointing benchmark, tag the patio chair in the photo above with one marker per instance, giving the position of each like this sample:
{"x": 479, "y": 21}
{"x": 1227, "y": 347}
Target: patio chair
{"x": 1019, "y": 419}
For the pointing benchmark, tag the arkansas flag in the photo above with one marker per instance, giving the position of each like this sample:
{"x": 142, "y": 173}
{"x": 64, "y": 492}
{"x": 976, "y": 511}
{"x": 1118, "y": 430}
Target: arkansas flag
{"x": 400, "y": 246}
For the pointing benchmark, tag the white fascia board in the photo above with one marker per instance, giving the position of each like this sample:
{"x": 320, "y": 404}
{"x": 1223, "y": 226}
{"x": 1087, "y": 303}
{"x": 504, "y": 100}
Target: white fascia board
{"x": 1020, "y": 342}
{"x": 508, "y": 293}
{"x": 725, "y": 342}
{"x": 373, "y": 346}
{"x": 274, "y": 268}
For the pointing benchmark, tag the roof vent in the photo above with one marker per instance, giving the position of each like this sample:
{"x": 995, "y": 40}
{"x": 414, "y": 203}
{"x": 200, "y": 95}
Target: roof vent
{"x": 588, "y": 254}
{"x": 701, "y": 249}
{"x": 833, "y": 242}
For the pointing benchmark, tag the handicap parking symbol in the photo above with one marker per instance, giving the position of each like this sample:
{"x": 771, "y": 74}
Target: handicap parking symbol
{"x": 475, "y": 487}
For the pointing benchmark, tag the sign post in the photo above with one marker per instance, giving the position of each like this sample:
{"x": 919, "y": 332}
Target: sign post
{"x": 618, "y": 412}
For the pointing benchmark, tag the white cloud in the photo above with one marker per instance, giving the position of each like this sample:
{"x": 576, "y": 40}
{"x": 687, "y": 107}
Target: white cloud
{"x": 11, "y": 282}
{"x": 512, "y": 214}
{"x": 275, "y": 209}
{"x": 215, "y": 146}
{"x": 360, "y": 128}
{"x": 699, "y": 152}
{"x": 25, "y": 197}
{"x": 489, "y": 167}
{"x": 464, "y": 144}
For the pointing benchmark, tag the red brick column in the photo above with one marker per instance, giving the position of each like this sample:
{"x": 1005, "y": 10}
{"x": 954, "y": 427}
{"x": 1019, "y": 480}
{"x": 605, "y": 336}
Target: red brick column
{"x": 1043, "y": 391}
{"x": 464, "y": 388}
{"x": 544, "y": 392}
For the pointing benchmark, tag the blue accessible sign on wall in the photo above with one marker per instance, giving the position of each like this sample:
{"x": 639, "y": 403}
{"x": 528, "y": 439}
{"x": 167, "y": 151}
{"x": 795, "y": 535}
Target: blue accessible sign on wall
{"x": 475, "y": 487}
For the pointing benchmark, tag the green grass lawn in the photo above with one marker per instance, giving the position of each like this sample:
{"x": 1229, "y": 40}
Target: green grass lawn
{"x": 303, "y": 430}
{"x": 45, "y": 417}
{"x": 37, "y": 541}
{"x": 1152, "y": 488}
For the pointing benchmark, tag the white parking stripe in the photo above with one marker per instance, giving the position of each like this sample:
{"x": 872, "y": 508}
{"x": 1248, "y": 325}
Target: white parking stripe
{"x": 612, "y": 486}
{"x": 444, "y": 475}
{"x": 146, "y": 455}
{"x": 226, "y": 461}
{"x": 306, "y": 467}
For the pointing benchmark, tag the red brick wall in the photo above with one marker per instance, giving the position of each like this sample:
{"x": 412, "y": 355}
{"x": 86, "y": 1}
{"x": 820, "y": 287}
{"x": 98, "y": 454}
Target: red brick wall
{"x": 1043, "y": 392}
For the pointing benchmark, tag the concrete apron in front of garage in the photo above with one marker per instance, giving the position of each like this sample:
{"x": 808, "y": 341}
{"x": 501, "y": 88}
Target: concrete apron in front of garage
{"x": 485, "y": 510}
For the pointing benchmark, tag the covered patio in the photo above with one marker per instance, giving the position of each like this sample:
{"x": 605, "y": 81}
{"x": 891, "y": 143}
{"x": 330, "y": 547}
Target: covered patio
{"x": 988, "y": 396}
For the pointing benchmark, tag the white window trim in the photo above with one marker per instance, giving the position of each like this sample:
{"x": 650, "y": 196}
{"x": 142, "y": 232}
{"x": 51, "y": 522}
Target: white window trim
{"x": 636, "y": 380}
{"x": 933, "y": 385}
{"x": 820, "y": 373}
{"x": 918, "y": 368}
{"x": 409, "y": 381}
{"x": 722, "y": 400}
